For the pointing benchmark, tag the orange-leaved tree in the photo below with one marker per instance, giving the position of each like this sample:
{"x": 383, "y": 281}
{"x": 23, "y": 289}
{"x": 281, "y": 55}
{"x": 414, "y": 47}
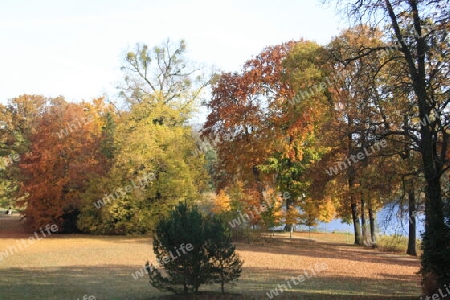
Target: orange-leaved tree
{"x": 262, "y": 132}
{"x": 64, "y": 155}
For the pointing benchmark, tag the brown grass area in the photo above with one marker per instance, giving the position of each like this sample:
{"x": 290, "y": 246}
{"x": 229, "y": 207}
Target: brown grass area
{"x": 70, "y": 266}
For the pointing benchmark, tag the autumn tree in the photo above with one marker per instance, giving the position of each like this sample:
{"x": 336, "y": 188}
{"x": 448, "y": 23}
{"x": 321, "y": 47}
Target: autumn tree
{"x": 348, "y": 137}
{"x": 420, "y": 29}
{"x": 156, "y": 161}
{"x": 260, "y": 130}
{"x": 150, "y": 139}
{"x": 371, "y": 112}
{"x": 18, "y": 121}
{"x": 63, "y": 156}
{"x": 356, "y": 111}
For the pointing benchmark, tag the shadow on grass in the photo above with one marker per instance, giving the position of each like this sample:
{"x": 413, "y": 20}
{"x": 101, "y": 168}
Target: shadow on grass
{"x": 331, "y": 287}
{"x": 116, "y": 282}
{"x": 109, "y": 282}
{"x": 328, "y": 250}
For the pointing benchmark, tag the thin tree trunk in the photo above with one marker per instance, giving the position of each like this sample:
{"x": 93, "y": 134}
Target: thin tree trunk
{"x": 356, "y": 224}
{"x": 363, "y": 222}
{"x": 289, "y": 204}
{"x": 354, "y": 208}
{"x": 289, "y": 201}
{"x": 412, "y": 223}
{"x": 351, "y": 186}
{"x": 372, "y": 225}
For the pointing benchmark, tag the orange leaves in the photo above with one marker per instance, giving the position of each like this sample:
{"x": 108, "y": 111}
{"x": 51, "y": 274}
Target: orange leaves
{"x": 64, "y": 152}
{"x": 253, "y": 108}
{"x": 244, "y": 107}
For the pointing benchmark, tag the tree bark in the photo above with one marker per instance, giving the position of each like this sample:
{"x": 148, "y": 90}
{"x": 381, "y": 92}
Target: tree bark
{"x": 436, "y": 237}
{"x": 364, "y": 236}
{"x": 354, "y": 208}
{"x": 372, "y": 226}
{"x": 412, "y": 249}
{"x": 356, "y": 224}
{"x": 289, "y": 204}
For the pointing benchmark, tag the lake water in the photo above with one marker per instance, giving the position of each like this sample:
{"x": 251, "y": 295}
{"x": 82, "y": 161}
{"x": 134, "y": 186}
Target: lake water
{"x": 389, "y": 221}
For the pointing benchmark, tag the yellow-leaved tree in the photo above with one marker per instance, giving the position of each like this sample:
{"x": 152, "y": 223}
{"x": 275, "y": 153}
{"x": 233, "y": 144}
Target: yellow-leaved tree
{"x": 153, "y": 160}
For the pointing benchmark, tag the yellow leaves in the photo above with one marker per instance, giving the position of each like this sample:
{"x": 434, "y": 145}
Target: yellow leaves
{"x": 271, "y": 212}
{"x": 327, "y": 211}
{"x": 275, "y": 200}
{"x": 221, "y": 202}
{"x": 310, "y": 213}
{"x": 292, "y": 216}
{"x": 269, "y": 196}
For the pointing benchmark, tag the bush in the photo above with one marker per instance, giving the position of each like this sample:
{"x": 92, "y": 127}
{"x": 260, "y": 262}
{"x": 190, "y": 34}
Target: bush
{"x": 192, "y": 250}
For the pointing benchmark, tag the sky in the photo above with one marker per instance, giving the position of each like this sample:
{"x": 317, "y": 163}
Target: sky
{"x": 76, "y": 48}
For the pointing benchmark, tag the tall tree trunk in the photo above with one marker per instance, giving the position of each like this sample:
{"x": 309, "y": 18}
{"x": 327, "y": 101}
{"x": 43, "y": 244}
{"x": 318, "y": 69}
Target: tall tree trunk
{"x": 290, "y": 200}
{"x": 351, "y": 185}
{"x": 372, "y": 225}
{"x": 356, "y": 224}
{"x": 436, "y": 240}
{"x": 354, "y": 208}
{"x": 412, "y": 223}
{"x": 289, "y": 204}
{"x": 363, "y": 222}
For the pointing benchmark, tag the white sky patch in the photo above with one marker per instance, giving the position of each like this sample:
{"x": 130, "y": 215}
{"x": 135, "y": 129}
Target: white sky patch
{"x": 74, "y": 48}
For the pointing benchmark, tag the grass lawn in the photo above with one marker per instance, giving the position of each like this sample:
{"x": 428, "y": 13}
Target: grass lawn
{"x": 71, "y": 266}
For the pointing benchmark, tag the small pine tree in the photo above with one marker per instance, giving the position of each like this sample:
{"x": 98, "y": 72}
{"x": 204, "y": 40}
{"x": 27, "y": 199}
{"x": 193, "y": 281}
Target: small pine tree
{"x": 184, "y": 270}
{"x": 226, "y": 263}
{"x": 212, "y": 257}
